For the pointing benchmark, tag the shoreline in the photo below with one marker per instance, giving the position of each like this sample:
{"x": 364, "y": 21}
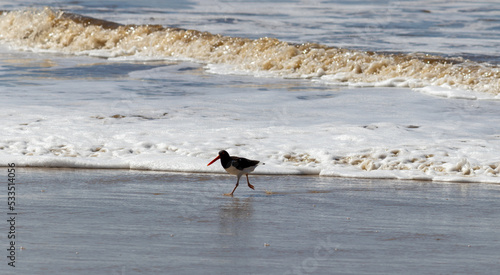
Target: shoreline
{"x": 347, "y": 176}
{"x": 143, "y": 222}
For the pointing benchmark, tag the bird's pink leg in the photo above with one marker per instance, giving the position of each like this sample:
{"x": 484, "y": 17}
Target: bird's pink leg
{"x": 249, "y": 185}
{"x": 237, "y": 182}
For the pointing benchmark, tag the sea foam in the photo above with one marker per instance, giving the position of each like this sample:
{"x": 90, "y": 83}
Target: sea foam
{"x": 166, "y": 117}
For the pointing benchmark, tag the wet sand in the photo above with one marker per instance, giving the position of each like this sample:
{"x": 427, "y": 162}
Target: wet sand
{"x": 141, "y": 222}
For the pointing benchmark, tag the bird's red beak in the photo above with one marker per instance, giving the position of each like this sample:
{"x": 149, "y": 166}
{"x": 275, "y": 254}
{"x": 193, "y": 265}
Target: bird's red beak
{"x": 215, "y": 159}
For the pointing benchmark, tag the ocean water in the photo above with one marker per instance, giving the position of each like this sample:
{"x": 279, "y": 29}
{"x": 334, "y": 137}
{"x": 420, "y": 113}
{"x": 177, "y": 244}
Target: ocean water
{"x": 365, "y": 89}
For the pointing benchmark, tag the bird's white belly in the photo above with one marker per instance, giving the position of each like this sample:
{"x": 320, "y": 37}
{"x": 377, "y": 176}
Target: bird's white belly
{"x": 233, "y": 171}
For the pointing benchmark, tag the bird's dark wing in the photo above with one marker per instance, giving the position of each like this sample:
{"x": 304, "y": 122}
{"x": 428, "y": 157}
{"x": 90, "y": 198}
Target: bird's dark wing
{"x": 242, "y": 163}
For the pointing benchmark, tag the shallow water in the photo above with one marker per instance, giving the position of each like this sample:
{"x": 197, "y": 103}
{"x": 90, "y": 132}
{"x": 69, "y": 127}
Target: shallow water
{"x": 133, "y": 222}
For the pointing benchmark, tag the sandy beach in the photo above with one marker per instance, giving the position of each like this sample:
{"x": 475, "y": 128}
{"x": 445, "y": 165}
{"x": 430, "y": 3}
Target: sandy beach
{"x": 74, "y": 221}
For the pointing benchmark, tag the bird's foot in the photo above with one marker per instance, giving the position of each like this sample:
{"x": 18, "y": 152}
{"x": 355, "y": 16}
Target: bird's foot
{"x": 251, "y": 186}
{"x": 228, "y": 194}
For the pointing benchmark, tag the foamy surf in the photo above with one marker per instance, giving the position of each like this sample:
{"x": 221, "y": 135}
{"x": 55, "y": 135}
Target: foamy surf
{"x": 433, "y": 164}
{"x": 415, "y": 137}
{"x": 52, "y": 30}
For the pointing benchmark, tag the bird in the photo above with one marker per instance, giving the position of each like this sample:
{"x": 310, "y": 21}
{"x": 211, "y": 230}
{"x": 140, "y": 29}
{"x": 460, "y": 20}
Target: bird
{"x": 236, "y": 166}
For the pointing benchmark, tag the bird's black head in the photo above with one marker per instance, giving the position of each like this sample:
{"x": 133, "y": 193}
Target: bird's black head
{"x": 223, "y": 154}
{"x": 224, "y": 157}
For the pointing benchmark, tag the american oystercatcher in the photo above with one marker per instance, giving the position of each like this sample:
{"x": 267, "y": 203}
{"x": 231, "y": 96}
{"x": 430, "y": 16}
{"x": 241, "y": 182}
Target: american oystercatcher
{"x": 236, "y": 166}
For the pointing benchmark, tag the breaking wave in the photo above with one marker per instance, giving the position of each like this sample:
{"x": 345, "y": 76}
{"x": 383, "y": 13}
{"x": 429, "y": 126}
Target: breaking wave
{"x": 54, "y": 30}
